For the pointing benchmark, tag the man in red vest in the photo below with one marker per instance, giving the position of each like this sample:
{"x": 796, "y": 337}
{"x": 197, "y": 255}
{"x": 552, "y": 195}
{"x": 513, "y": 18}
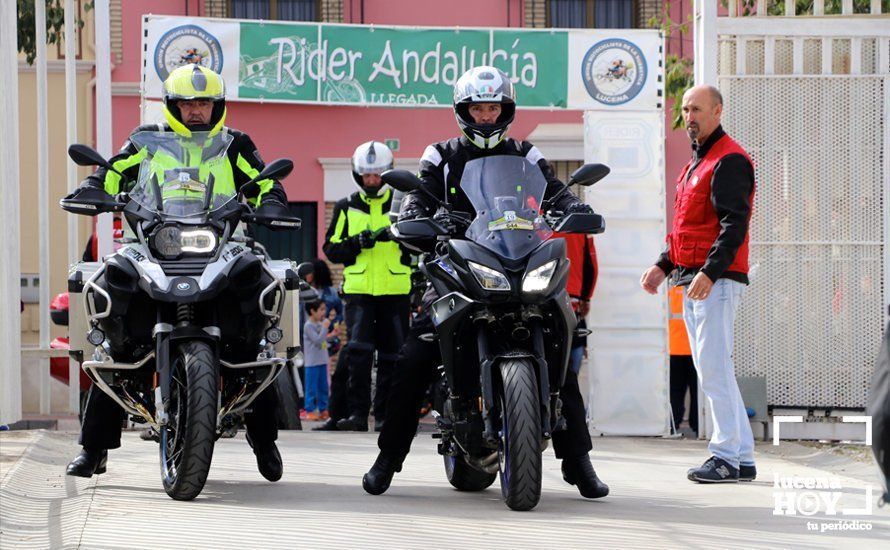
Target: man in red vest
{"x": 708, "y": 249}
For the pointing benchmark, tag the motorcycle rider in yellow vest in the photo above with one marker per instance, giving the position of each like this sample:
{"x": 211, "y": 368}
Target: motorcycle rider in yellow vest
{"x": 194, "y": 101}
{"x": 376, "y": 283}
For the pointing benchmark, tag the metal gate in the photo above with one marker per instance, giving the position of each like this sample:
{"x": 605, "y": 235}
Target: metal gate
{"x": 812, "y": 110}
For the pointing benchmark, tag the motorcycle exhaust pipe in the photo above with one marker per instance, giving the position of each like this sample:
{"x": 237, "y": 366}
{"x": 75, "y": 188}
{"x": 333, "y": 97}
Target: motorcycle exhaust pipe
{"x": 488, "y": 464}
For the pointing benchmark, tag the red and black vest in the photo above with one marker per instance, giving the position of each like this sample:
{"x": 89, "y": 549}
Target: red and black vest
{"x": 696, "y": 225}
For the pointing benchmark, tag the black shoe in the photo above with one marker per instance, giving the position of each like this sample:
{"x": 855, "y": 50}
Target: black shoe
{"x": 579, "y": 471}
{"x": 88, "y": 462}
{"x": 354, "y": 423}
{"x": 378, "y": 424}
{"x": 378, "y": 478}
{"x": 747, "y": 473}
{"x": 714, "y": 470}
{"x": 268, "y": 460}
{"x": 329, "y": 425}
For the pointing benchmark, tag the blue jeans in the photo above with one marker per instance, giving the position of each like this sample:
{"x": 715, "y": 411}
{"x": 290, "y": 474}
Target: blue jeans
{"x": 709, "y": 323}
{"x": 316, "y": 388}
{"x": 575, "y": 359}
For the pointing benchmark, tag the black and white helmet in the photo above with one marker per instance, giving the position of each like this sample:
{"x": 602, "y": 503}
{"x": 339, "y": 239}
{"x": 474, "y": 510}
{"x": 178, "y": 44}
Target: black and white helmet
{"x": 372, "y": 157}
{"x": 484, "y": 84}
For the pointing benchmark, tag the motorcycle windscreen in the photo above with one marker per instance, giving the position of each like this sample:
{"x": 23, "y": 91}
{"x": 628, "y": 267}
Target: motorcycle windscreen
{"x": 506, "y": 191}
{"x": 183, "y": 177}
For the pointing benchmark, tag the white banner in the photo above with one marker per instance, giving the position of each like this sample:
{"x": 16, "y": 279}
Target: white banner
{"x": 621, "y": 71}
{"x": 628, "y": 346}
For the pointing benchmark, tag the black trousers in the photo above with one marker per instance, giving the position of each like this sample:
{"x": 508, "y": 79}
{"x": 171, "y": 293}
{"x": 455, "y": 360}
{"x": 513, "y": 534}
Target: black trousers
{"x": 418, "y": 361}
{"x": 338, "y": 404}
{"x": 103, "y": 418}
{"x": 683, "y": 378}
{"x": 372, "y": 323}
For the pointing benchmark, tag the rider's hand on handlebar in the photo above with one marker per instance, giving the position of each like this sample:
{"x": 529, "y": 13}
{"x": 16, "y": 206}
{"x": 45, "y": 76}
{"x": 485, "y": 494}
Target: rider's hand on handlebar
{"x": 88, "y": 192}
{"x": 579, "y": 208}
{"x": 452, "y": 223}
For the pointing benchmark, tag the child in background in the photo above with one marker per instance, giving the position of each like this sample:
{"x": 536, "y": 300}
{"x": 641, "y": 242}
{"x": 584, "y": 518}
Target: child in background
{"x": 315, "y": 353}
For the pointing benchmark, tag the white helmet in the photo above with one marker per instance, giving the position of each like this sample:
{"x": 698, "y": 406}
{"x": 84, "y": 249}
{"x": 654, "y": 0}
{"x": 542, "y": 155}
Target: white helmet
{"x": 372, "y": 157}
{"x": 484, "y": 84}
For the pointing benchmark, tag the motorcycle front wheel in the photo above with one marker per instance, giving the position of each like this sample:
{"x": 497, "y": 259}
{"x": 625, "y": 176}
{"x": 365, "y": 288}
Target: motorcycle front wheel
{"x": 187, "y": 440}
{"x": 519, "y": 447}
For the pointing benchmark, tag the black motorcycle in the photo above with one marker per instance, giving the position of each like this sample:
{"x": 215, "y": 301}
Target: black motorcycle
{"x": 188, "y": 321}
{"x": 503, "y": 320}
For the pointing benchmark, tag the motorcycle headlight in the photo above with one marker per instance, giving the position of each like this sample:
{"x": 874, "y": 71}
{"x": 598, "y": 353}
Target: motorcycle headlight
{"x": 172, "y": 240}
{"x": 538, "y": 279}
{"x": 489, "y": 279}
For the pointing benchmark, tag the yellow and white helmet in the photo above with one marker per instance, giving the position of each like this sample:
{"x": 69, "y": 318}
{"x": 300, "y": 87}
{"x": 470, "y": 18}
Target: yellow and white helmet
{"x": 194, "y": 81}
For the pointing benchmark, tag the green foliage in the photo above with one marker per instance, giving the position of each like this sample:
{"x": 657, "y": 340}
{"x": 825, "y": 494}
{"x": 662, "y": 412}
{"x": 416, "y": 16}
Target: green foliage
{"x": 805, "y": 7}
{"x": 55, "y": 25}
{"x": 678, "y": 76}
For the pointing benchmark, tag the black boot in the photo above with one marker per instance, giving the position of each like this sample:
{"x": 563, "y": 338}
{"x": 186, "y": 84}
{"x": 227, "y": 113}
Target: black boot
{"x": 378, "y": 478}
{"x": 579, "y": 471}
{"x": 88, "y": 462}
{"x": 354, "y": 423}
{"x": 268, "y": 460}
{"x": 329, "y": 425}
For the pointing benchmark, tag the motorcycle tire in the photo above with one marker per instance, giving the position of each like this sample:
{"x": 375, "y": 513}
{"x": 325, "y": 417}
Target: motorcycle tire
{"x": 464, "y": 477}
{"x": 519, "y": 448}
{"x": 186, "y": 445}
{"x": 288, "y": 411}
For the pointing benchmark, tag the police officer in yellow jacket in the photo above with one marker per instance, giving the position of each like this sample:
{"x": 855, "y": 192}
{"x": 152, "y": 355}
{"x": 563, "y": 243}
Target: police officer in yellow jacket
{"x": 377, "y": 280}
{"x": 194, "y": 101}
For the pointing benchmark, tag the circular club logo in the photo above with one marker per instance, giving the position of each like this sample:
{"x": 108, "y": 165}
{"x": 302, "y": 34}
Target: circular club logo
{"x": 613, "y": 71}
{"x": 187, "y": 44}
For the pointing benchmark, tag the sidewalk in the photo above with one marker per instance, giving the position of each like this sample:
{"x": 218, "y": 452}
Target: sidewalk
{"x": 319, "y": 503}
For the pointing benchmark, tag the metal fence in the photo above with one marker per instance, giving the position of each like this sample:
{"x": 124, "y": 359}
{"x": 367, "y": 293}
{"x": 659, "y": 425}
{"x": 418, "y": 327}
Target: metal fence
{"x": 812, "y": 110}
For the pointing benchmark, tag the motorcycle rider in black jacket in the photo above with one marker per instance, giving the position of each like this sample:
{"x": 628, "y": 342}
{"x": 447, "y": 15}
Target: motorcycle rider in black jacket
{"x": 484, "y": 107}
{"x": 194, "y": 101}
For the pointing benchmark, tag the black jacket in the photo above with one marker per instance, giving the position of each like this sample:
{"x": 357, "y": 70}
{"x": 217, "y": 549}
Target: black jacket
{"x": 731, "y": 188}
{"x": 442, "y": 166}
{"x": 242, "y": 146}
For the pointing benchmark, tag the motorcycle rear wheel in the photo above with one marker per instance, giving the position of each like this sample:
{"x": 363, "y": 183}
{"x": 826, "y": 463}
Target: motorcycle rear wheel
{"x": 519, "y": 448}
{"x": 464, "y": 477}
{"x": 187, "y": 440}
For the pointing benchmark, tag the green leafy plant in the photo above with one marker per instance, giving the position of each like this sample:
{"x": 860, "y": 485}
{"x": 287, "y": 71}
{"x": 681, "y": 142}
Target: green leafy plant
{"x": 678, "y": 75}
{"x": 55, "y": 25}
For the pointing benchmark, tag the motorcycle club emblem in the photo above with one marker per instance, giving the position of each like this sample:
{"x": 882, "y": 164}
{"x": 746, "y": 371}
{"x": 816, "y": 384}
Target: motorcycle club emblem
{"x": 187, "y": 44}
{"x": 614, "y": 71}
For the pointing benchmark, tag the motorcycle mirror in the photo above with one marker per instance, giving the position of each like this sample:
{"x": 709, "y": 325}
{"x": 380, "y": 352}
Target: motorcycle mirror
{"x": 589, "y": 174}
{"x": 84, "y": 155}
{"x": 275, "y": 170}
{"x": 401, "y": 180}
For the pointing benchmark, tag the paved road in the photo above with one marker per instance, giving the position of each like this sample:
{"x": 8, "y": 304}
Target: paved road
{"x": 319, "y": 502}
